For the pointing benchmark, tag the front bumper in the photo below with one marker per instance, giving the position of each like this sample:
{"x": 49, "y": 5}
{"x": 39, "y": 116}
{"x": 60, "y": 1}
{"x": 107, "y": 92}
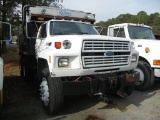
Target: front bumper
{"x": 64, "y": 72}
{"x": 157, "y": 72}
{"x": 100, "y": 84}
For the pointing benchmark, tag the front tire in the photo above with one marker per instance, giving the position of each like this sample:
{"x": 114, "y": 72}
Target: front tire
{"x": 146, "y": 76}
{"x": 51, "y": 91}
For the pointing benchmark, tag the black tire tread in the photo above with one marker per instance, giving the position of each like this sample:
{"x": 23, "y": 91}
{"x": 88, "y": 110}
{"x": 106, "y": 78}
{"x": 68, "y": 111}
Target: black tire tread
{"x": 56, "y": 89}
{"x": 149, "y": 77}
{"x": 152, "y": 78}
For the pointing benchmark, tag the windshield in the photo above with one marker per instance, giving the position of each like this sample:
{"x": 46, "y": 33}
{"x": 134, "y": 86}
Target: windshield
{"x": 68, "y": 28}
{"x": 139, "y": 32}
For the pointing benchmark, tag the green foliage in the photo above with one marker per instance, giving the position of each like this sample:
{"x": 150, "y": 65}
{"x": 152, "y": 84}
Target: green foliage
{"x": 12, "y": 11}
{"x": 142, "y": 17}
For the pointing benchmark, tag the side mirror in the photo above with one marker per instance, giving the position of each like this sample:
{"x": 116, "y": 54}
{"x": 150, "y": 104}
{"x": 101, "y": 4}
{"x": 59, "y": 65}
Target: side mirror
{"x": 31, "y": 30}
{"x": 5, "y": 31}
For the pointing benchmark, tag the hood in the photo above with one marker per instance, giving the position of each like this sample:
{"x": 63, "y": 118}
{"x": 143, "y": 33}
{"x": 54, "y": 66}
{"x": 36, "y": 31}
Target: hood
{"x": 146, "y": 40}
{"x": 153, "y": 45}
{"x": 89, "y": 37}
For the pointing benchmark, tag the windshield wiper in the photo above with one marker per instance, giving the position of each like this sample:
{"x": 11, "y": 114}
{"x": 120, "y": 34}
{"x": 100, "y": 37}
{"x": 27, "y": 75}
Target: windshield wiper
{"x": 62, "y": 33}
{"x": 84, "y": 33}
{"x": 146, "y": 38}
{"x": 67, "y": 33}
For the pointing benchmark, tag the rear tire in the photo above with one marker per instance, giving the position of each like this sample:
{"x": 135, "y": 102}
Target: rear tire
{"x": 26, "y": 72}
{"x": 146, "y": 76}
{"x": 21, "y": 66}
{"x": 51, "y": 90}
{"x": 1, "y": 99}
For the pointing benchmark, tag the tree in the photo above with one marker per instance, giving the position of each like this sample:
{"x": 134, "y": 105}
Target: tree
{"x": 11, "y": 11}
{"x": 4, "y": 49}
{"x": 6, "y": 12}
{"x": 142, "y": 17}
{"x": 152, "y": 20}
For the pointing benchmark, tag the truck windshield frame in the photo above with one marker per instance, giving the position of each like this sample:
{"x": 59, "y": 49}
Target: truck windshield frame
{"x": 140, "y": 32}
{"x": 71, "y": 28}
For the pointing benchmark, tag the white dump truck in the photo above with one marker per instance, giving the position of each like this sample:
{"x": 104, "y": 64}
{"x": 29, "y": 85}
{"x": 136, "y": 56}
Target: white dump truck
{"x": 68, "y": 56}
{"x": 145, "y": 43}
{"x": 5, "y": 34}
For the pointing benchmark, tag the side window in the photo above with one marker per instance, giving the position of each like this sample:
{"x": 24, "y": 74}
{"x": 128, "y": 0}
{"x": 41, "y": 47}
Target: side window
{"x": 119, "y": 32}
{"x": 111, "y": 31}
{"x": 43, "y": 32}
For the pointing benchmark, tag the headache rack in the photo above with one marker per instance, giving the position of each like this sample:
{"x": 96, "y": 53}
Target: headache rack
{"x": 46, "y": 13}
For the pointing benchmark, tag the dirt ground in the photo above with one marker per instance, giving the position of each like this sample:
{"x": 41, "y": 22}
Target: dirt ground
{"x": 22, "y": 102}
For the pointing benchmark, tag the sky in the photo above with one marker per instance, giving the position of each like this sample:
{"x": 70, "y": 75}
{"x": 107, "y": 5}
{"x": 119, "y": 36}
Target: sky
{"x": 108, "y": 9}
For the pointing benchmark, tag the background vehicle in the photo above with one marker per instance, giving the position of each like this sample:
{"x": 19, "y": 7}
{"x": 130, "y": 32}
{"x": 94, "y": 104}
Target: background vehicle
{"x": 69, "y": 57}
{"x": 101, "y": 30}
{"x": 5, "y": 34}
{"x": 157, "y": 37}
{"x": 145, "y": 43}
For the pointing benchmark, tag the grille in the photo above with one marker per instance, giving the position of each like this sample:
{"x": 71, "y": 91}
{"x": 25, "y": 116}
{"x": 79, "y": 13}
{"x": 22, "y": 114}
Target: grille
{"x": 95, "y": 53}
{"x": 94, "y": 46}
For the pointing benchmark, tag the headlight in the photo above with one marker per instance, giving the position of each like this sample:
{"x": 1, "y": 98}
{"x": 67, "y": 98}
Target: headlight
{"x": 63, "y": 62}
{"x": 134, "y": 58}
{"x": 66, "y": 44}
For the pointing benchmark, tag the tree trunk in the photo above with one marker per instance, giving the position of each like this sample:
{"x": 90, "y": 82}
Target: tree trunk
{"x": 4, "y": 48}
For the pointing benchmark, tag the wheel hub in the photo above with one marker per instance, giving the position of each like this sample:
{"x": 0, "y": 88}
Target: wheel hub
{"x": 44, "y": 91}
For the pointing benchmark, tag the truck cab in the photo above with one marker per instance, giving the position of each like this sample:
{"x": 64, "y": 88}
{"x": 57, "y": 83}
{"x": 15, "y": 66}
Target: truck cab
{"x": 5, "y": 34}
{"x": 143, "y": 40}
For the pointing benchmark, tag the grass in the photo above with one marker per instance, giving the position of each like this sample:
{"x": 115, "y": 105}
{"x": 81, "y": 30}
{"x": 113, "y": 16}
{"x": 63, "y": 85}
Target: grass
{"x": 11, "y": 61}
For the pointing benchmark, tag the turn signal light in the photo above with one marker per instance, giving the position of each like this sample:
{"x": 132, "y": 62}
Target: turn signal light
{"x": 58, "y": 45}
{"x": 156, "y": 62}
{"x": 147, "y": 50}
{"x": 40, "y": 18}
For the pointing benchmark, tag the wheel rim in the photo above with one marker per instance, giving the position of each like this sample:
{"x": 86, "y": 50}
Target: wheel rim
{"x": 44, "y": 91}
{"x": 141, "y": 77}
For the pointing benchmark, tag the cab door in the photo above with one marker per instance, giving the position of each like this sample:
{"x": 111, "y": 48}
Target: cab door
{"x": 42, "y": 34}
